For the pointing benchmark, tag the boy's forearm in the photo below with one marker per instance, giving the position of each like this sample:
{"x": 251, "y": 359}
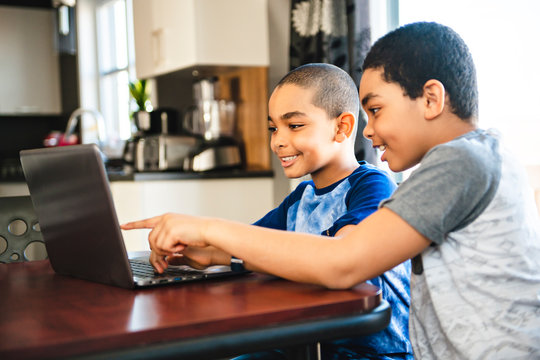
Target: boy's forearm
{"x": 294, "y": 256}
{"x": 368, "y": 249}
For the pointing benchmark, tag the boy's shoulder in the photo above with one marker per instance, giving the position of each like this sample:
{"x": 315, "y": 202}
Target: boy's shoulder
{"x": 364, "y": 176}
{"x": 366, "y": 168}
{"x": 475, "y": 152}
{"x": 369, "y": 173}
{"x": 457, "y": 180}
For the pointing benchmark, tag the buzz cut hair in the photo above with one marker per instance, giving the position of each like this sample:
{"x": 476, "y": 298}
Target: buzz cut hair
{"x": 334, "y": 89}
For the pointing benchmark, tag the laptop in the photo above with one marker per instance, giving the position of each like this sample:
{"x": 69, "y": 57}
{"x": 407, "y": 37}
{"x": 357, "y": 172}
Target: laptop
{"x": 70, "y": 192}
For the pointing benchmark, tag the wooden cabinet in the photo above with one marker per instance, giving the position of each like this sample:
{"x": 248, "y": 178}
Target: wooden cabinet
{"x": 171, "y": 35}
{"x": 248, "y": 88}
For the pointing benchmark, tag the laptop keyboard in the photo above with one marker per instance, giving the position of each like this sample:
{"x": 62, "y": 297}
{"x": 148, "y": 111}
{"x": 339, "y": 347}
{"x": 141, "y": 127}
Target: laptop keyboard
{"x": 145, "y": 269}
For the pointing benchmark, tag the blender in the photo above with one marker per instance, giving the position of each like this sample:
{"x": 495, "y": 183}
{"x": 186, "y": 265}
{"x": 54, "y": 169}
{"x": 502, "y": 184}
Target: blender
{"x": 213, "y": 121}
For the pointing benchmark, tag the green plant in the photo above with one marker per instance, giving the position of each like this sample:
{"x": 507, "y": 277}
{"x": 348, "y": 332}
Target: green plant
{"x": 139, "y": 93}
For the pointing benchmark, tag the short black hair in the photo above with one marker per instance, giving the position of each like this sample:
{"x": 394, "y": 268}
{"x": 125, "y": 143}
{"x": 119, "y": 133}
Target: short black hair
{"x": 417, "y": 52}
{"x": 335, "y": 90}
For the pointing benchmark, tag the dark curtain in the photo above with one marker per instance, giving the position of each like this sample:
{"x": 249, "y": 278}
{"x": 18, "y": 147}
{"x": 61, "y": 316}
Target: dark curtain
{"x": 335, "y": 32}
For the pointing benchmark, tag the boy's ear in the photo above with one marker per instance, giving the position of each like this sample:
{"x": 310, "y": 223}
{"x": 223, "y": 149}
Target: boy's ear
{"x": 345, "y": 126}
{"x": 435, "y": 96}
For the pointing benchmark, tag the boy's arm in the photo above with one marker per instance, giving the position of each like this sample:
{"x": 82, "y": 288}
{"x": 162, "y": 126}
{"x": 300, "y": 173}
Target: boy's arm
{"x": 380, "y": 242}
{"x": 377, "y": 244}
{"x": 204, "y": 257}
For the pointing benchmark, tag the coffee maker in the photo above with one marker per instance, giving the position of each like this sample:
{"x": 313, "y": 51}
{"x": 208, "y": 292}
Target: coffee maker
{"x": 213, "y": 122}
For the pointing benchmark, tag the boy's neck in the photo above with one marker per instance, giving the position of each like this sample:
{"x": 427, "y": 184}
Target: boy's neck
{"x": 449, "y": 129}
{"x": 334, "y": 172}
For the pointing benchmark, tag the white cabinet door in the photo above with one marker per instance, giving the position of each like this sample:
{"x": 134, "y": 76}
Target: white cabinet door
{"x": 172, "y": 35}
{"x": 164, "y": 36}
{"x": 29, "y": 64}
{"x": 243, "y": 200}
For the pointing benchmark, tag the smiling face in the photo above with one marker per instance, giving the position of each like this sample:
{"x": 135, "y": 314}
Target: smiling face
{"x": 302, "y": 135}
{"x": 396, "y": 123}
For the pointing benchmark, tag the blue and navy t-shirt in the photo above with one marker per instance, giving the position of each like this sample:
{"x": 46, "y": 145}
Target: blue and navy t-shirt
{"x": 347, "y": 202}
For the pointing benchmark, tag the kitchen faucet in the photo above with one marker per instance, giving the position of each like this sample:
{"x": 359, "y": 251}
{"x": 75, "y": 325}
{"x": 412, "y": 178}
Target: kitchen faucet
{"x": 99, "y": 124}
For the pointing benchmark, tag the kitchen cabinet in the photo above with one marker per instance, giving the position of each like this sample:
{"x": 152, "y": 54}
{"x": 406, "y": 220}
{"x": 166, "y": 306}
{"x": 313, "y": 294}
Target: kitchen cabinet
{"x": 227, "y": 39}
{"x": 240, "y": 199}
{"x": 29, "y": 64}
{"x": 171, "y": 35}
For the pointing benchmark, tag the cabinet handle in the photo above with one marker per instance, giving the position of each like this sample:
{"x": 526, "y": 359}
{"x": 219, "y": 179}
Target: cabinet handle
{"x": 157, "y": 46}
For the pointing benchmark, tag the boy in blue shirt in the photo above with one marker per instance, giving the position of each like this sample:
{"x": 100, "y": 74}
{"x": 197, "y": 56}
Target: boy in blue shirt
{"x": 312, "y": 120}
{"x": 466, "y": 214}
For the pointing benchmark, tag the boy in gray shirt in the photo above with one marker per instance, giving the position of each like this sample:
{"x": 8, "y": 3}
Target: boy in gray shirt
{"x": 466, "y": 215}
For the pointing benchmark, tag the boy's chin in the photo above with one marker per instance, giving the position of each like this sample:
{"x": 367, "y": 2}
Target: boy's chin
{"x": 396, "y": 168}
{"x": 292, "y": 177}
{"x": 294, "y": 174}
{"x": 399, "y": 167}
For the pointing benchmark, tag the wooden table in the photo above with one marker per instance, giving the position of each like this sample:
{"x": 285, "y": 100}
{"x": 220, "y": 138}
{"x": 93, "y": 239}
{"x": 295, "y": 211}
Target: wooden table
{"x": 45, "y": 315}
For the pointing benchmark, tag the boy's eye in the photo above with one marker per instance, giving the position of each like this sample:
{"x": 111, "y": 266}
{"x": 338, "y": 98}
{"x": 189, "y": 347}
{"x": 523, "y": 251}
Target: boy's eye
{"x": 295, "y": 126}
{"x": 272, "y": 129}
{"x": 373, "y": 110}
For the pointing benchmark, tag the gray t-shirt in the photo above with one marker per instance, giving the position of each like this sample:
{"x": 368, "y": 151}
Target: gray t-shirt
{"x": 477, "y": 293}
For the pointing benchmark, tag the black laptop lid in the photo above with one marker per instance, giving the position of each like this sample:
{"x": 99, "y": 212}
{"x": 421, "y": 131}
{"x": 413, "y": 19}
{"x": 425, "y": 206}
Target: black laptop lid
{"x": 71, "y": 195}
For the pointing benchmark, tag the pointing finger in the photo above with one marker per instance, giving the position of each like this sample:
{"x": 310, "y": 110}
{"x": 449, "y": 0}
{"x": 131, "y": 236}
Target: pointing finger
{"x": 141, "y": 224}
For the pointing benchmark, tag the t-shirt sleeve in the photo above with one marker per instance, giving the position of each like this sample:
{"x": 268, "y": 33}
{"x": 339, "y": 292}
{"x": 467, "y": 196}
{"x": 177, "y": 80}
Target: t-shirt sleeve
{"x": 277, "y": 218}
{"x": 450, "y": 189}
{"x": 368, "y": 189}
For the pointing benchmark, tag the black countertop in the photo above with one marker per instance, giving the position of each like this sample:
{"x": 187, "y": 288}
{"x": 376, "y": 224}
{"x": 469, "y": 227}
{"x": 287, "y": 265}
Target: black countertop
{"x": 129, "y": 175}
{"x": 168, "y": 175}
{"x": 11, "y": 172}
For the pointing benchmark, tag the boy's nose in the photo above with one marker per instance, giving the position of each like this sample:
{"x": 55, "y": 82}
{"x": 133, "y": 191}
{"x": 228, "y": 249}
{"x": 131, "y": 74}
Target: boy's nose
{"x": 368, "y": 131}
{"x": 278, "y": 140}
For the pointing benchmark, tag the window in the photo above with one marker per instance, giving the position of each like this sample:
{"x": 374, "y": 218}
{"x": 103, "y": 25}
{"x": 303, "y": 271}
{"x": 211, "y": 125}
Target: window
{"x": 503, "y": 39}
{"x": 115, "y": 64}
{"x": 106, "y": 65}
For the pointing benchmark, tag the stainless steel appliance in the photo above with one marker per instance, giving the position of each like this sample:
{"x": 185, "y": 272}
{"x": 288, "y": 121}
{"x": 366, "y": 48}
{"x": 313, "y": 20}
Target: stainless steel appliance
{"x": 203, "y": 140}
{"x": 158, "y": 145}
{"x": 210, "y": 117}
{"x": 220, "y": 154}
{"x": 187, "y": 153}
{"x": 163, "y": 152}
{"x": 213, "y": 120}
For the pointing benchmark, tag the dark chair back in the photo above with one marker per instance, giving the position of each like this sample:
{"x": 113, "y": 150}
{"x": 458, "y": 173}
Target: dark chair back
{"x": 20, "y": 235}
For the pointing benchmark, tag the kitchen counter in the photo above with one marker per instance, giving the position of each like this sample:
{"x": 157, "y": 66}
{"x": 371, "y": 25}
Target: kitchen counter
{"x": 12, "y": 173}
{"x": 129, "y": 175}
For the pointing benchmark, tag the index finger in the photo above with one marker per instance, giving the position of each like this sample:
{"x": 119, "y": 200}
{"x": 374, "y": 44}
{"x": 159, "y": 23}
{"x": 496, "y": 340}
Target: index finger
{"x": 141, "y": 224}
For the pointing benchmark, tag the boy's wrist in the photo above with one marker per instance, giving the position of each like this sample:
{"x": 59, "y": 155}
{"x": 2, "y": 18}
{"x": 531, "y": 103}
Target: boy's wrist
{"x": 205, "y": 230}
{"x": 220, "y": 257}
